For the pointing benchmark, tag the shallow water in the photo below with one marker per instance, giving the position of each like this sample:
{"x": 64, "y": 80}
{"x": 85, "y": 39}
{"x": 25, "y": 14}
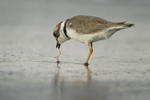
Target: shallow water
{"x": 118, "y": 68}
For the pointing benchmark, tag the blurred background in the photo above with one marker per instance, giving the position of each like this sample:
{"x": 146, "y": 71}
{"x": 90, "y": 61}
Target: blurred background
{"x": 32, "y": 22}
{"x": 119, "y": 67}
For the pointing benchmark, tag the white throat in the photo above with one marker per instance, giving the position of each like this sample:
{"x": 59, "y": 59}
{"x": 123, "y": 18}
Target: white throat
{"x": 62, "y": 38}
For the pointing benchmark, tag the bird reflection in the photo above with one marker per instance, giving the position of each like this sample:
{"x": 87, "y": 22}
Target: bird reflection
{"x": 77, "y": 86}
{"x": 57, "y": 75}
{"x": 88, "y": 72}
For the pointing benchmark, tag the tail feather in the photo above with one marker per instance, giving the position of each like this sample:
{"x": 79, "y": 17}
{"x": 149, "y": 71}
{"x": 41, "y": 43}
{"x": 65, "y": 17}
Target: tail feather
{"x": 128, "y": 25}
{"x": 117, "y": 26}
{"x": 123, "y": 24}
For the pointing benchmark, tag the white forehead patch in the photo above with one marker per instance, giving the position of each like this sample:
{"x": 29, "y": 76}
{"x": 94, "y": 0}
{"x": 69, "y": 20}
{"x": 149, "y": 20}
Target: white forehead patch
{"x": 70, "y": 24}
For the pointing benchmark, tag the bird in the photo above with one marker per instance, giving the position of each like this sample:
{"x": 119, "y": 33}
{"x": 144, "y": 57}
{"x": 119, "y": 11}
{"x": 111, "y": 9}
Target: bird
{"x": 86, "y": 29}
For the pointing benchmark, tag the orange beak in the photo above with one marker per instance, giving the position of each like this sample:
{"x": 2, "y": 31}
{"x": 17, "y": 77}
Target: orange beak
{"x": 58, "y": 45}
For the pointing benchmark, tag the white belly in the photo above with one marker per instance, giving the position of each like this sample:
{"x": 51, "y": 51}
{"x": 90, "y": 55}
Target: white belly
{"x": 89, "y": 38}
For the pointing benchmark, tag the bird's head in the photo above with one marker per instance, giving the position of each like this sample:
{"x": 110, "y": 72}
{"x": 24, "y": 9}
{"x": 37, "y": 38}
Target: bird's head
{"x": 59, "y": 34}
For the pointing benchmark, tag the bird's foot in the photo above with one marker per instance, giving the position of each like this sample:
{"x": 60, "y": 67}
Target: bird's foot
{"x": 86, "y": 63}
{"x": 58, "y": 62}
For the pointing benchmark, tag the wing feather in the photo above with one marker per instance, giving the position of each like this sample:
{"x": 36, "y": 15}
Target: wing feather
{"x": 88, "y": 24}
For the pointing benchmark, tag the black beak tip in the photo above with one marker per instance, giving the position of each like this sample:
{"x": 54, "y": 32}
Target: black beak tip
{"x": 58, "y": 46}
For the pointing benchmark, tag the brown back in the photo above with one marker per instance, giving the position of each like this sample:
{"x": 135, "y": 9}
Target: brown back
{"x": 88, "y": 24}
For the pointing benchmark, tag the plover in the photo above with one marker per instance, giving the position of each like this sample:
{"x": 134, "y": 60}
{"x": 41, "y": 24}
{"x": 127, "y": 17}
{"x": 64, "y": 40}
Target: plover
{"x": 86, "y": 29}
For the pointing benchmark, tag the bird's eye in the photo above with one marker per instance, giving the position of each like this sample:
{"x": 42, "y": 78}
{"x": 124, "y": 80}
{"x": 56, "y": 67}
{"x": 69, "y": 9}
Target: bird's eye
{"x": 55, "y": 35}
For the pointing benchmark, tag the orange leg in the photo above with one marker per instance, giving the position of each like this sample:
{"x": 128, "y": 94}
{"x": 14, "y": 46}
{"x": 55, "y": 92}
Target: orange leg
{"x": 90, "y": 52}
{"x": 58, "y": 56}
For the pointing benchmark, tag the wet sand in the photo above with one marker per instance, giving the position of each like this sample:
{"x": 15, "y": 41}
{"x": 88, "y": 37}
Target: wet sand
{"x": 119, "y": 67}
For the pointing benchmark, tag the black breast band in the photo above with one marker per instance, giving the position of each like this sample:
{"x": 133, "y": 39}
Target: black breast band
{"x": 65, "y": 31}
